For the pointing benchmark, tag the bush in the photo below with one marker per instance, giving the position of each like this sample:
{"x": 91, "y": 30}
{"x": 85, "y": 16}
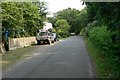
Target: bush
{"x": 62, "y": 28}
{"x": 100, "y": 36}
{"x": 107, "y": 58}
{"x": 105, "y": 39}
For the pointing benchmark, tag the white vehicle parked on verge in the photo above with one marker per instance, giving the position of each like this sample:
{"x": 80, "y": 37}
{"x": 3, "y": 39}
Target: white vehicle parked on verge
{"x": 45, "y": 37}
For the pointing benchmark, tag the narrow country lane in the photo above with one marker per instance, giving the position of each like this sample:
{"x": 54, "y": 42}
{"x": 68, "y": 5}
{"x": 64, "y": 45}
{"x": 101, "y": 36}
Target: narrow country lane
{"x": 67, "y": 58}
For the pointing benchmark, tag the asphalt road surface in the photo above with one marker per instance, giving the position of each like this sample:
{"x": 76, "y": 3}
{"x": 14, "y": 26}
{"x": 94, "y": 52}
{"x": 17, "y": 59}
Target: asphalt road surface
{"x": 67, "y": 58}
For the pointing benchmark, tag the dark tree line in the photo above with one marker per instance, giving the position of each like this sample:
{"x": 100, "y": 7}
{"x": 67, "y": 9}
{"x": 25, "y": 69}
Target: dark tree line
{"x": 106, "y": 17}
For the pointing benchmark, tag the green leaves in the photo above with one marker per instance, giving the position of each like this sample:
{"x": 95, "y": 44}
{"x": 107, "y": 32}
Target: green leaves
{"x": 81, "y": 21}
{"x": 19, "y": 16}
{"x": 62, "y": 28}
{"x": 100, "y": 36}
{"x": 70, "y": 15}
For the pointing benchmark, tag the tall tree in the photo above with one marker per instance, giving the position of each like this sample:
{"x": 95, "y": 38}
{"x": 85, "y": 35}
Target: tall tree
{"x": 81, "y": 21}
{"x": 69, "y": 15}
{"x": 23, "y": 17}
{"x": 62, "y": 27}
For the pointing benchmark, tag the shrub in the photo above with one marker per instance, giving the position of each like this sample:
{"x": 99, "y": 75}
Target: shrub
{"x": 108, "y": 44}
{"x": 100, "y": 36}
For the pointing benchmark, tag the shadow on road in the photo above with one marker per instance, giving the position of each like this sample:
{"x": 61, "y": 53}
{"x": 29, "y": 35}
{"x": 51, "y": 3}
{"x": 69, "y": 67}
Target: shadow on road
{"x": 35, "y": 44}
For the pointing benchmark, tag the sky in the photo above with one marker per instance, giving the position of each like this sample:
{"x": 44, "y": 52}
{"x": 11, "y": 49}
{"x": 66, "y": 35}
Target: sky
{"x": 57, "y": 5}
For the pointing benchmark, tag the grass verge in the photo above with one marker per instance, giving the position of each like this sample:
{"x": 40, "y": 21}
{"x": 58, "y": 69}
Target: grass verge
{"x": 11, "y": 57}
{"x": 107, "y": 65}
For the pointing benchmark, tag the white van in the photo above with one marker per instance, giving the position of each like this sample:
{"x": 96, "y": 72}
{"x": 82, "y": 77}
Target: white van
{"x": 45, "y": 37}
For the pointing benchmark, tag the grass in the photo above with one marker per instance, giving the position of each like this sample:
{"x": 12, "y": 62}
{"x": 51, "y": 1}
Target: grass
{"x": 107, "y": 65}
{"x": 11, "y": 57}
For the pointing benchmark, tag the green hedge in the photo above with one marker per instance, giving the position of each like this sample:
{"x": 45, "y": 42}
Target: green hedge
{"x": 100, "y": 36}
{"x": 107, "y": 42}
{"x": 103, "y": 38}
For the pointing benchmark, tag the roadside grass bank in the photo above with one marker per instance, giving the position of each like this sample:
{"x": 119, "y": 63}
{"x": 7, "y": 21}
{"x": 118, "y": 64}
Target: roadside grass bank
{"x": 107, "y": 65}
{"x": 11, "y": 57}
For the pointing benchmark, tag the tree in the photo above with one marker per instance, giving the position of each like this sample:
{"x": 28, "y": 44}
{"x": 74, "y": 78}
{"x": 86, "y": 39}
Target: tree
{"x": 23, "y": 18}
{"x": 70, "y": 15}
{"x": 81, "y": 21}
{"x": 52, "y": 20}
{"x": 12, "y": 16}
{"x": 104, "y": 32}
{"x": 106, "y": 14}
{"x": 62, "y": 28}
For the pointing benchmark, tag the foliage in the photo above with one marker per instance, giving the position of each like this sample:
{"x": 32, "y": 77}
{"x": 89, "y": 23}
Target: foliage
{"x": 107, "y": 66}
{"x": 100, "y": 36}
{"x": 52, "y": 20}
{"x": 81, "y": 21}
{"x": 11, "y": 16}
{"x": 62, "y": 28}
{"x": 105, "y": 14}
{"x": 70, "y": 15}
{"x": 104, "y": 32}
{"x": 23, "y": 18}
{"x": 53, "y": 30}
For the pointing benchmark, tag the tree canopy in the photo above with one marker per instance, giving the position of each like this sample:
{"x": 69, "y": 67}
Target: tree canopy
{"x": 62, "y": 27}
{"x": 23, "y": 18}
{"x": 70, "y": 15}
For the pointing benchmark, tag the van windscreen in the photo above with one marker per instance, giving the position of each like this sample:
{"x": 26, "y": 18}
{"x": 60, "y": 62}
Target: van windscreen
{"x": 43, "y": 33}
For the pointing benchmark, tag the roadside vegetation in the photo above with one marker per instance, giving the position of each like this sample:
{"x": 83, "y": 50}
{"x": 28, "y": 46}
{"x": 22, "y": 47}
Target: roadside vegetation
{"x": 103, "y": 32}
{"x": 70, "y": 15}
{"x": 23, "y": 18}
{"x": 62, "y": 28}
{"x": 107, "y": 66}
{"x": 99, "y": 22}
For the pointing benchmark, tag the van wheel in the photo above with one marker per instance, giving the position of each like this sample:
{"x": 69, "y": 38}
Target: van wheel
{"x": 38, "y": 43}
{"x": 55, "y": 40}
{"x": 52, "y": 41}
{"x": 49, "y": 42}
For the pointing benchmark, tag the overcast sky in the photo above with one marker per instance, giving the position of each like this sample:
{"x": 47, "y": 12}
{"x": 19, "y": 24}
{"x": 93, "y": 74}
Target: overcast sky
{"x": 57, "y": 5}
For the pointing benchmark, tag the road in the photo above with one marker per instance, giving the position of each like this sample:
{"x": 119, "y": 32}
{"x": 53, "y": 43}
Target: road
{"x": 67, "y": 58}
